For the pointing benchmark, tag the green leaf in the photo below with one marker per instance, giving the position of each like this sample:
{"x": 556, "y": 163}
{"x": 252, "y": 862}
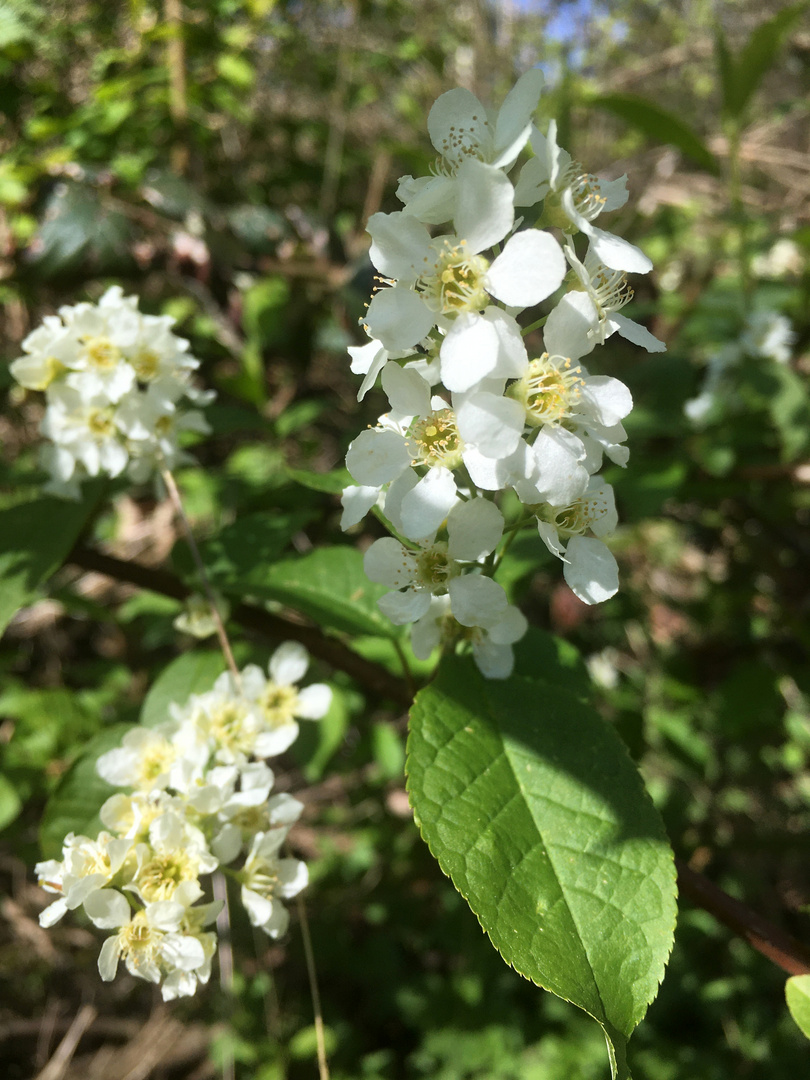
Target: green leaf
{"x": 74, "y": 805}
{"x": 661, "y": 125}
{"x": 332, "y": 482}
{"x": 797, "y": 994}
{"x": 530, "y": 803}
{"x": 541, "y": 655}
{"x": 35, "y": 538}
{"x": 238, "y": 557}
{"x": 330, "y": 586}
{"x": 192, "y": 673}
{"x": 742, "y": 76}
{"x": 10, "y": 802}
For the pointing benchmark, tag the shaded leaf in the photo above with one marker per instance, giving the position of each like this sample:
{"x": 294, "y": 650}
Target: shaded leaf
{"x": 74, "y": 805}
{"x": 660, "y": 125}
{"x": 742, "y": 75}
{"x": 35, "y": 538}
{"x": 531, "y": 805}
{"x": 192, "y": 673}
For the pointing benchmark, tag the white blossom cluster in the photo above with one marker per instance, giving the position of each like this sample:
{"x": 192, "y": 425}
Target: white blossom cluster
{"x": 765, "y": 335}
{"x": 472, "y": 413}
{"x": 197, "y": 801}
{"x": 114, "y": 381}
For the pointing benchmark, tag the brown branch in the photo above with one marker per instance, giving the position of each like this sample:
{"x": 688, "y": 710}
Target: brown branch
{"x": 334, "y": 652}
{"x": 780, "y": 947}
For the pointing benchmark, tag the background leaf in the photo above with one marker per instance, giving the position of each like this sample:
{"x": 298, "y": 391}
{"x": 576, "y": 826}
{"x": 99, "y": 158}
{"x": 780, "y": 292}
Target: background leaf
{"x": 742, "y": 75}
{"x": 530, "y": 803}
{"x": 797, "y": 995}
{"x": 75, "y": 804}
{"x": 192, "y": 673}
{"x": 660, "y": 125}
{"x": 35, "y": 537}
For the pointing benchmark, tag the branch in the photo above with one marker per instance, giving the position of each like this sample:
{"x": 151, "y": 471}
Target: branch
{"x": 785, "y": 951}
{"x": 334, "y": 652}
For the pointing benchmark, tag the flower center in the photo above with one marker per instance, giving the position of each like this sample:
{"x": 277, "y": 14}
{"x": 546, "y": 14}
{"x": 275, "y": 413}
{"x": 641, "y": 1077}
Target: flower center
{"x": 585, "y": 191}
{"x": 576, "y": 518}
{"x": 458, "y": 144}
{"x": 156, "y": 760}
{"x": 278, "y": 704}
{"x": 229, "y": 729}
{"x": 549, "y": 390}
{"x": 159, "y": 878}
{"x": 100, "y": 423}
{"x": 609, "y": 289}
{"x": 138, "y": 941}
{"x": 146, "y": 365}
{"x": 435, "y": 567}
{"x": 456, "y": 281}
{"x": 434, "y": 440}
{"x": 101, "y": 353}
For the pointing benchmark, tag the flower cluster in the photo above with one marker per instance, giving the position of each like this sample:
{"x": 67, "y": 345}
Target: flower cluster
{"x": 472, "y": 412}
{"x": 765, "y": 335}
{"x": 198, "y": 801}
{"x": 114, "y": 381}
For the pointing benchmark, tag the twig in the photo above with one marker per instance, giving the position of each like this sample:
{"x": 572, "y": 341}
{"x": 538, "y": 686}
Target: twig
{"x": 371, "y": 675}
{"x": 323, "y": 1066}
{"x": 57, "y": 1066}
{"x": 761, "y": 934}
{"x": 222, "y": 635}
{"x": 225, "y": 953}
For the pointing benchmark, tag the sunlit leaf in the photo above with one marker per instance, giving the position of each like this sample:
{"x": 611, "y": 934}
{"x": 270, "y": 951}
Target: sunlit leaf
{"x": 192, "y": 673}
{"x": 797, "y": 994}
{"x": 530, "y": 803}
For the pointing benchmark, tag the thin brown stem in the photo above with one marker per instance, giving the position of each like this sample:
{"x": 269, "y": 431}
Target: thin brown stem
{"x": 177, "y": 503}
{"x": 761, "y": 934}
{"x": 372, "y": 676}
{"x": 225, "y": 953}
{"x": 323, "y": 1065}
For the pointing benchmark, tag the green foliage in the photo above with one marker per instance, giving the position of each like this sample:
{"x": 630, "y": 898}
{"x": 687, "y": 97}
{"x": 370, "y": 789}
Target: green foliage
{"x": 74, "y": 805}
{"x": 797, "y": 994}
{"x": 533, "y": 808}
{"x": 741, "y": 75}
{"x": 661, "y": 125}
{"x": 192, "y": 673}
{"x": 35, "y": 538}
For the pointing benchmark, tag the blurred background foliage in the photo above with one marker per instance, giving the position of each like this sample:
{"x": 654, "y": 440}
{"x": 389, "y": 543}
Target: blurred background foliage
{"x": 220, "y": 158}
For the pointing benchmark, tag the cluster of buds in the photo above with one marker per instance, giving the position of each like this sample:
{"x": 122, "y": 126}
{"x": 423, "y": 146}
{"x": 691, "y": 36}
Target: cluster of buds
{"x": 114, "y": 381}
{"x": 198, "y": 801}
{"x": 472, "y": 413}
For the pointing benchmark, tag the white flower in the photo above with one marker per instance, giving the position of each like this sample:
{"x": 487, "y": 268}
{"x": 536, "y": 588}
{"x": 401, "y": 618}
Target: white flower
{"x": 474, "y": 529}
{"x": 267, "y": 879}
{"x": 86, "y": 865}
{"x": 491, "y": 648}
{"x": 437, "y": 280}
{"x": 151, "y": 942}
{"x": 770, "y": 335}
{"x": 589, "y": 567}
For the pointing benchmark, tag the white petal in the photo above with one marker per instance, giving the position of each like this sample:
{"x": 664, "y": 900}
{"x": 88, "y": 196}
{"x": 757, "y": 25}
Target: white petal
{"x": 491, "y": 423}
{"x": 398, "y": 318}
{"x": 272, "y": 743}
{"x": 591, "y": 571}
{"x": 457, "y": 123}
{"x": 560, "y": 477}
{"x": 107, "y": 908}
{"x": 367, "y": 360}
{"x": 474, "y": 529}
{"x": 568, "y": 329}
{"x": 530, "y": 268}
{"x": 183, "y": 951}
{"x": 469, "y": 352}
{"x": 408, "y": 392}
{"x": 607, "y": 399}
{"x": 494, "y": 661}
{"x": 404, "y": 607}
{"x": 485, "y": 210}
{"x": 289, "y": 663}
{"x": 614, "y": 192}
{"x": 108, "y": 959}
{"x": 514, "y": 123}
{"x": 313, "y": 701}
{"x": 377, "y": 456}
{"x": 532, "y": 185}
{"x": 425, "y": 507}
{"x": 357, "y": 501}
{"x": 293, "y": 876}
{"x": 399, "y": 245}
{"x": 635, "y": 332}
{"x": 477, "y": 600}
{"x": 617, "y": 253}
{"x": 511, "y": 627}
{"x": 389, "y": 563}
{"x": 551, "y": 538}
{"x": 433, "y": 201}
